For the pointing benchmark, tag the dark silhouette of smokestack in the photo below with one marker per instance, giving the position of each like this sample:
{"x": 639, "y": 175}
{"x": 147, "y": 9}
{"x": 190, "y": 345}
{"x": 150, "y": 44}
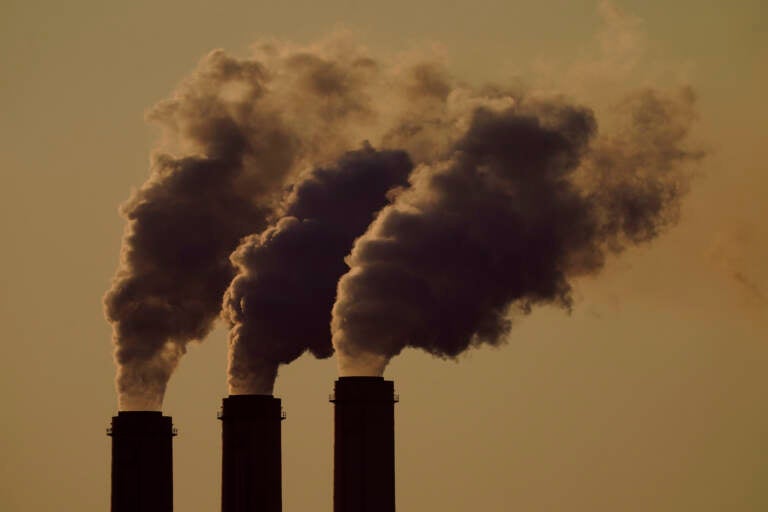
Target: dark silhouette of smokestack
{"x": 364, "y": 448}
{"x": 251, "y": 470}
{"x": 142, "y": 462}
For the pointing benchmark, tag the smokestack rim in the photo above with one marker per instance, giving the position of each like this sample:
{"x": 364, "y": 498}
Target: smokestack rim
{"x": 250, "y": 407}
{"x": 141, "y": 423}
{"x": 363, "y": 389}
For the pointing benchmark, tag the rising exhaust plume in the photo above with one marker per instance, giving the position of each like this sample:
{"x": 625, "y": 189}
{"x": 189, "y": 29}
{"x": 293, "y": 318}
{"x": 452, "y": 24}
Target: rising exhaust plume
{"x": 510, "y": 199}
{"x": 279, "y": 304}
{"x": 235, "y": 135}
{"x": 528, "y": 199}
{"x": 187, "y": 218}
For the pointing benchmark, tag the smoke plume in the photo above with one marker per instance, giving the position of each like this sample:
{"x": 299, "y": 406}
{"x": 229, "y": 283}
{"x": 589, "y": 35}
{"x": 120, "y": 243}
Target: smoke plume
{"x": 528, "y": 199}
{"x": 236, "y": 134}
{"x": 279, "y": 305}
{"x": 257, "y": 194}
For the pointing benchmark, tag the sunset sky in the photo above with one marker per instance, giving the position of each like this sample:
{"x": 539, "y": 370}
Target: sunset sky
{"x": 650, "y": 395}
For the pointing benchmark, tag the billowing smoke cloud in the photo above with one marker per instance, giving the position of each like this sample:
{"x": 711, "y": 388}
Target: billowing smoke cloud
{"x": 188, "y": 217}
{"x": 279, "y": 305}
{"x": 511, "y": 198}
{"x": 527, "y": 199}
{"x": 236, "y": 134}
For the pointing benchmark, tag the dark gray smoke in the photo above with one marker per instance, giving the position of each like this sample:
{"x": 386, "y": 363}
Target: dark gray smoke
{"x": 241, "y": 131}
{"x": 279, "y": 305}
{"x": 186, "y": 220}
{"x": 510, "y": 200}
{"x": 528, "y": 199}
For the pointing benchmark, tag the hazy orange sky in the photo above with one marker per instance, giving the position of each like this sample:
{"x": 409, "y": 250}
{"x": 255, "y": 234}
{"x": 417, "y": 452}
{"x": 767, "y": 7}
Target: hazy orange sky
{"x": 649, "y": 396}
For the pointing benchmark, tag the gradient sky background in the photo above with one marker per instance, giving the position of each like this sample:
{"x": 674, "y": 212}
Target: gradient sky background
{"x": 650, "y": 396}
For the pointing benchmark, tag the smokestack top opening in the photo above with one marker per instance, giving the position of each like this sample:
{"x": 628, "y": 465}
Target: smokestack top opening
{"x": 141, "y": 423}
{"x": 363, "y": 388}
{"x": 258, "y": 407}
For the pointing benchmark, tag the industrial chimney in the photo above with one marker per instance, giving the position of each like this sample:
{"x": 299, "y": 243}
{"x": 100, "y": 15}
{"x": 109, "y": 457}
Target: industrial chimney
{"x": 251, "y": 469}
{"x": 364, "y": 445}
{"x": 142, "y": 462}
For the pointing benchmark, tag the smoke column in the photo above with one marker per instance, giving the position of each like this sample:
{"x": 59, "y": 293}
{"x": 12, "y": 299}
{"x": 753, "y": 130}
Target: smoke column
{"x": 184, "y": 222}
{"x": 236, "y": 134}
{"x": 279, "y": 305}
{"x": 527, "y": 199}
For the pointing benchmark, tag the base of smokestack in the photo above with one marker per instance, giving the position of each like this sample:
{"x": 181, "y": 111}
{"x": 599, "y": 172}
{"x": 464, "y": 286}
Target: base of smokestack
{"x": 251, "y": 469}
{"x": 364, "y": 445}
{"x": 142, "y": 462}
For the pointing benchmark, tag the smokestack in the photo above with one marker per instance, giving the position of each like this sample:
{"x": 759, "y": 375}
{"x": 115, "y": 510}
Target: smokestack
{"x": 251, "y": 469}
{"x": 364, "y": 445}
{"x": 142, "y": 462}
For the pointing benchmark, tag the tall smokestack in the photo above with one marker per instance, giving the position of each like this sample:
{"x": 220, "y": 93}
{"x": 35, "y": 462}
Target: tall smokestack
{"x": 364, "y": 447}
{"x": 251, "y": 470}
{"x": 142, "y": 462}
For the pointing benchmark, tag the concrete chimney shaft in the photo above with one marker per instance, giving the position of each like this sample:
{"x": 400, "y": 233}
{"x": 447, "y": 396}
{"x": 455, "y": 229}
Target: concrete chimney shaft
{"x": 251, "y": 469}
{"x": 142, "y": 462}
{"x": 364, "y": 445}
